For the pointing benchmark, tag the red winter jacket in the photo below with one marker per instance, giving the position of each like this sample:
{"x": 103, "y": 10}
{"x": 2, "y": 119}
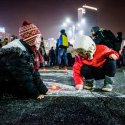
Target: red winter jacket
{"x": 100, "y": 56}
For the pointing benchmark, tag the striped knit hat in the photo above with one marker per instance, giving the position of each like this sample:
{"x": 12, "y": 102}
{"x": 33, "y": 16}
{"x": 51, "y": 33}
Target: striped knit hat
{"x": 28, "y": 33}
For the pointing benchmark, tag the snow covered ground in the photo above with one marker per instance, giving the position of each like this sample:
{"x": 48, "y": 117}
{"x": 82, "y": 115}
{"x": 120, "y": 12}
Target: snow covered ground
{"x": 65, "y": 85}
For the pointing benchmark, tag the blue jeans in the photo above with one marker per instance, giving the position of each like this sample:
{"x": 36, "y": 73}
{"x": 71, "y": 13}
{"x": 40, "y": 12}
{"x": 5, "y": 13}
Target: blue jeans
{"x": 62, "y": 54}
{"x": 90, "y": 72}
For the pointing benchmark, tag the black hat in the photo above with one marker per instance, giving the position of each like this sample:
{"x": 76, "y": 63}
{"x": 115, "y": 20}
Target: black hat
{"x": 62, "y": 31}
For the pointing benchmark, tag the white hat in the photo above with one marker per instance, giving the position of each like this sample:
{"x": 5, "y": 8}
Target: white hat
{"x": 85, "y": 42}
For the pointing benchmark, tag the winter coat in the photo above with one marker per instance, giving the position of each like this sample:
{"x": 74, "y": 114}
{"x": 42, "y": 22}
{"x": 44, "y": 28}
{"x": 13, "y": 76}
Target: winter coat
{"x": 100, "y": 56}
{"x": 52, "y": 53}
{"x": 17, "y": 74}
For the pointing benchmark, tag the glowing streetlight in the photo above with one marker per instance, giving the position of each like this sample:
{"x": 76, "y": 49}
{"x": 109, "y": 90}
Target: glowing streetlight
{"x": 81, "y": 12}
{"x": 83, "y": 21}
{"x": 64, "y": 24}
{"x": 73, "y": 29}
{"x": 80, "y": 32}
{"x": 90, "y": 7}
{"x": 68, "y": 20}
{"x": 94, "y": 9}
{"x": 70, "y": 32}
{"x": 78, "y": 24}
{"x": 2, "y": 29}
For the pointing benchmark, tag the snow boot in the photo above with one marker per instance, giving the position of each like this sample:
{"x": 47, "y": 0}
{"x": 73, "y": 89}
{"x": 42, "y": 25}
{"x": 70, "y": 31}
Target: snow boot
{"x": 108, "y": 84}
{"x": 89, "y": 84}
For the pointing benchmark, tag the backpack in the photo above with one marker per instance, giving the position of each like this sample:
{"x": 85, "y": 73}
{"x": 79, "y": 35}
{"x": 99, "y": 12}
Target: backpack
{"x": 106, "y": 37}
{"x": 63, "y": 41}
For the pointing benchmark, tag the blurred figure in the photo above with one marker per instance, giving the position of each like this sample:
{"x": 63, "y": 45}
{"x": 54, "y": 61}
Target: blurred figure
{"x": 93, "y": 62}
{"x": 62, "y": 49}
{"x": 104, "y": 37}
{"x": 118, "y": 47}
{"x": 0, "y": 43}
{"x": 122, "y": 54}
{"x": 19, "y": 64}
{"x": 52, "y": 57}
{"x": 119, "y": 41}
{"x": 43, "y": 52}
{"x": 56, "y": 53}
{"x": 70, "y": 55}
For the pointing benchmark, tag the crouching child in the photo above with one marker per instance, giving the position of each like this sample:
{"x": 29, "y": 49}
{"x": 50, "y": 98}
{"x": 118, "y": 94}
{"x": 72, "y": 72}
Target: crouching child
{"x": 93, "y": 62}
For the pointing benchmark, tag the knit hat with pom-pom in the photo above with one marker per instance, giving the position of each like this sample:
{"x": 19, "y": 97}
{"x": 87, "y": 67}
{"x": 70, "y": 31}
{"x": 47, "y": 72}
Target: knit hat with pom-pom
{"x": 28, "y": 32}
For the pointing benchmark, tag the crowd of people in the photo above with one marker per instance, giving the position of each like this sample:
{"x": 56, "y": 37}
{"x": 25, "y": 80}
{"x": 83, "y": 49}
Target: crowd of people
{"x": 91, "y": 57}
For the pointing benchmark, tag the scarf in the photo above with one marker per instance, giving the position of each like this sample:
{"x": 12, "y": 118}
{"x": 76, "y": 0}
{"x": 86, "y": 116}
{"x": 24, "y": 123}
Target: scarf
{"x": 38, "y": 59}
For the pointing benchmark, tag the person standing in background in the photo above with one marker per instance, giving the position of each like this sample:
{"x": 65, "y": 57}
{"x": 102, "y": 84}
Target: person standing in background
{"x": 62, "y": 44}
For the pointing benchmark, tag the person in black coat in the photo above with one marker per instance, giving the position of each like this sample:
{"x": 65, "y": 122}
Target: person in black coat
{"x": 19, "y": 64}
{"x": 52, "y": 56}
{"x": 104, "y": 37}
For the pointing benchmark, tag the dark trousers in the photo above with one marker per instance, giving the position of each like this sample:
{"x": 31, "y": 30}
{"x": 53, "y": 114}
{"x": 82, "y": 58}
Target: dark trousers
{"x": 90, "y": 72}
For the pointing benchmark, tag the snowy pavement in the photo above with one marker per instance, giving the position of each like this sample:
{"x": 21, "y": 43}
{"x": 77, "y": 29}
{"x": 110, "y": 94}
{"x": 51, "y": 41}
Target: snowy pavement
{"x": 62, "y": 79}
{"x": 66, "y": 106}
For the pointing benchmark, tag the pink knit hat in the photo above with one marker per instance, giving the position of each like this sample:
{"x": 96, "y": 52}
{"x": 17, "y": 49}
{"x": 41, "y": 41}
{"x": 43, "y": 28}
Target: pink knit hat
{"x": 28, "y": 32}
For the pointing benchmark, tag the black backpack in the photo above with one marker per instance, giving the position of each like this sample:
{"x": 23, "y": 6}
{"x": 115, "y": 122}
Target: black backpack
{"x": 106, "y": 37}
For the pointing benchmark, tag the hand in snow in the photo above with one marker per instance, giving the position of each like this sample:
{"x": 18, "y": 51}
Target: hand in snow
{"x": 40, "y": 97}
{"x": 79, "y": 87}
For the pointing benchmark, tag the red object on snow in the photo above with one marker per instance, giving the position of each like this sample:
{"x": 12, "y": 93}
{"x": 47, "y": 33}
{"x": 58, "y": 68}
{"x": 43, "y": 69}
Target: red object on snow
{"x": 54, "y": 87}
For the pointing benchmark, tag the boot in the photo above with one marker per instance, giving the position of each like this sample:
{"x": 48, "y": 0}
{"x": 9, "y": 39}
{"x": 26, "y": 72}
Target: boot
{"x": 89, "y": 84}
{"x": 108, "y": 84}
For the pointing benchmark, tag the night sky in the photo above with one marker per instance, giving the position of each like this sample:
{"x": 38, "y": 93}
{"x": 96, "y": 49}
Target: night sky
{"x": 48, "y": 15}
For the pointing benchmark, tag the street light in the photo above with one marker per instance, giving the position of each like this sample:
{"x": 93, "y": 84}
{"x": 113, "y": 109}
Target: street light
{"x": 2, "y": 29}
{"x": 64, "y": 24}
{"x": 68, "y": 20}
{"x": 92, "y": 15}
{"x": 83, "y": 20}
{"x": 90, "y": 7}
{"x": 80, "y": 32}
{"x": 81, "y": 12}
{"x": 73, "y": 29}
{"x": 2, "y": 32}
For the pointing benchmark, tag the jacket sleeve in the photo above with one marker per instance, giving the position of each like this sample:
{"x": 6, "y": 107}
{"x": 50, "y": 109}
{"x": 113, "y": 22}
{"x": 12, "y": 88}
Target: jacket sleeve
{"x": 109, "y": 51}
{"x": 78, "y": 79}
{"x": 39, "y": 83}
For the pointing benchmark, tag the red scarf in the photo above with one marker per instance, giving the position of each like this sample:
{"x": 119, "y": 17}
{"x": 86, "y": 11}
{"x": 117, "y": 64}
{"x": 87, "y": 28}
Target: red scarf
{"x": 37, "y": 58}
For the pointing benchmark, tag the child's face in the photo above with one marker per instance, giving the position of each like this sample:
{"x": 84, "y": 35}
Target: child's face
{"x": 38, "y": 41}
{"x": 86, "y": 54}
{"x": 83, "y": 54}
